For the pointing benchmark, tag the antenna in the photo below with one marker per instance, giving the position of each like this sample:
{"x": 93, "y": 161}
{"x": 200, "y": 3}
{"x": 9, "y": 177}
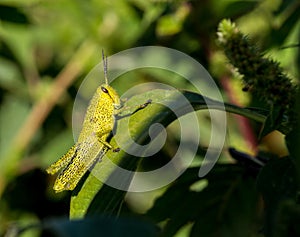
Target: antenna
{"x": 104, "y": 58}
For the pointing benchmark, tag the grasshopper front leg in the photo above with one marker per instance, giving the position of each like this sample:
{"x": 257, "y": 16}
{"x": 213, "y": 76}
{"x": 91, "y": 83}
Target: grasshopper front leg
{"x": 138, "y": 108}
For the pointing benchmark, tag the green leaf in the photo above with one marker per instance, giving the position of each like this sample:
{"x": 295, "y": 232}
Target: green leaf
{"x": 90, "y": 193}
{"x": 292, "y": 139}
{"x": 168, "y": 25}
{"x": 291, "y": 16}
{"x": 12, "y": 113}
{"x": 288, "y": 219}
{"x": 229, "y": 201}
{"x": 273, "y": 122}
{"x": 12, "y": 14}
{"x": 10, "y": 77}
{"x": 238, "y": 8}
{"x": 278, "y": 182}
{"x": 56, "y": 148}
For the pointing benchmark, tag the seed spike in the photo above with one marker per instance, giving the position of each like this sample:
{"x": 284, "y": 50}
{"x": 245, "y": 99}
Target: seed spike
{"x": 104, "y": 58}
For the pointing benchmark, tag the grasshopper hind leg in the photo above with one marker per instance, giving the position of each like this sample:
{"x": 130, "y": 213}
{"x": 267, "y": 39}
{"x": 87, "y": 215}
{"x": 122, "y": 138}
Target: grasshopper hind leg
{"x": 75, "y": 170}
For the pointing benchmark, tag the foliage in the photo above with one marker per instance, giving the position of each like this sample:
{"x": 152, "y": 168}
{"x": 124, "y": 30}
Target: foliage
{"x": 48, "y": 47}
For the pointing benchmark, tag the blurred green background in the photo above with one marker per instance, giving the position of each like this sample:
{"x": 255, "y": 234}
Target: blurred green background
{"x": 48, "y": 47}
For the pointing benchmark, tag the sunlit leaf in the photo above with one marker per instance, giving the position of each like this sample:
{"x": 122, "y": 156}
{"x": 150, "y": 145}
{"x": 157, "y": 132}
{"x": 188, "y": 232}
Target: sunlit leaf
{"x": 139, "y": 125}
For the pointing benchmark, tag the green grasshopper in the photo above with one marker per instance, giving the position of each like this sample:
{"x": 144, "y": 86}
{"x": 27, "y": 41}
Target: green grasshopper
{"x": 98, "y": 124}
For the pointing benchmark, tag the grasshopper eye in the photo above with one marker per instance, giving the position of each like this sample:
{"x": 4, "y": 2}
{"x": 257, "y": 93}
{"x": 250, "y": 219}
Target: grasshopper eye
{"x": 104, "y": 90}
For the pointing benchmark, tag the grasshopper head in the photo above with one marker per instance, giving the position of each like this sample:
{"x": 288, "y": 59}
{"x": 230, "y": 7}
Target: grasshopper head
{"x": 111, "y": 94}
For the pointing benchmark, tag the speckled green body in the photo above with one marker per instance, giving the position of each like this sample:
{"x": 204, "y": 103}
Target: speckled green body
{"x": 91, "y": 145}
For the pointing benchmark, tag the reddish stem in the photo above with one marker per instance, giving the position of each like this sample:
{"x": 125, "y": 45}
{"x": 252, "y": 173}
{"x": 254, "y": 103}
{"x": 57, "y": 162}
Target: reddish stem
{"x": 243, "y": 123}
